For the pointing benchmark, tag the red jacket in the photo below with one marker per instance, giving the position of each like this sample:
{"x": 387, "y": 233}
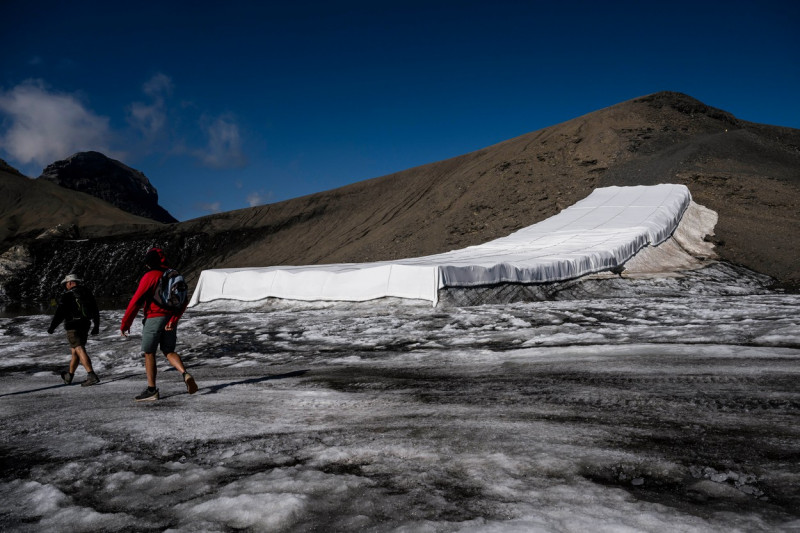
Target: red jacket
{"x": 143, "y": 298}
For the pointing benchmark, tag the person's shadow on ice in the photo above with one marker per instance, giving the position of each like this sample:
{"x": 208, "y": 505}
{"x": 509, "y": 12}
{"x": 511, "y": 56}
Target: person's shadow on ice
{"x": 213, "y": 389}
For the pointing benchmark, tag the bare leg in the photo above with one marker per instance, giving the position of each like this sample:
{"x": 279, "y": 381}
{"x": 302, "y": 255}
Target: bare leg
{"x": 150, "y": 368}
{"x": 175, "y": 360}
{"x": 73, "y": 364}
{"x": 80, "y": 351}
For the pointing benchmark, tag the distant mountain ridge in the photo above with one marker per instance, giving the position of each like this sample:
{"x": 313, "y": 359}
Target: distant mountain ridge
{"x": 748, "y": 173}
{"x": 5, "y": 167}
{"x": 109, "y": 180}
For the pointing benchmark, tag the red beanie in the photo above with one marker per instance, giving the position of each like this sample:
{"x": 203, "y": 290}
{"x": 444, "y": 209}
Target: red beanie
{"x": 155, "y": 258}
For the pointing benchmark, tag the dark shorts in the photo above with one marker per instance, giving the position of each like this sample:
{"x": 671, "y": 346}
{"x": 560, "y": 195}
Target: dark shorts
{"x": 77, "y": 337}
{"x": 154, "y": 334}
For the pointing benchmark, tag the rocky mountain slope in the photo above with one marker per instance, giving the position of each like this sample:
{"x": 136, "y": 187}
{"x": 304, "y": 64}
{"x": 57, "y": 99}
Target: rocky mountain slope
{"x": 109, "y": 180}
{"x": 748, "y": 173}
{"x": 32, "y": 208}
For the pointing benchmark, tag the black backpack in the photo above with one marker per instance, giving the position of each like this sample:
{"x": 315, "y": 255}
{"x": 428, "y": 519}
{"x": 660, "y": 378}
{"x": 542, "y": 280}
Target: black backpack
{"x": 79, "y": 310}
{"x": 80, "y": 304}
{"x": 171, "y": 291}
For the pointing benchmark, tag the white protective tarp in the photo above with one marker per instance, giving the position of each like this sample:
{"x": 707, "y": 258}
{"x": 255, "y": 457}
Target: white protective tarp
{"x": 600, "y": 232}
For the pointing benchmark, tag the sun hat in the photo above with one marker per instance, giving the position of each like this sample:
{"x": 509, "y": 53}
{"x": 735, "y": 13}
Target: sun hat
{"x": 72, "y": 277}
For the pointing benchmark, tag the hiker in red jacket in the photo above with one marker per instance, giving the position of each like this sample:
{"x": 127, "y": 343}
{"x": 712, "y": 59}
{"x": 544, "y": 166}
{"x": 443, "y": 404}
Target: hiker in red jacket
{"x": 160, "y": 326}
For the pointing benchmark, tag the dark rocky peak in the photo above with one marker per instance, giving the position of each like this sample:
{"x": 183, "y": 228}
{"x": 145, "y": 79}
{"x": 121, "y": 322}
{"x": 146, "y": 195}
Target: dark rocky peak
{"x": 687, "y": 105}
{"x": 105, "y": 178}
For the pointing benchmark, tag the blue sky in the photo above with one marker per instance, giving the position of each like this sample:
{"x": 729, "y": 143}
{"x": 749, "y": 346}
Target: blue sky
{"x": 224, "y": 105}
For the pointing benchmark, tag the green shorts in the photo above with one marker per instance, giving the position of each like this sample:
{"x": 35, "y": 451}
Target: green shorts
{"x": 77, "y": 337}
{"x": 154, "y": 334}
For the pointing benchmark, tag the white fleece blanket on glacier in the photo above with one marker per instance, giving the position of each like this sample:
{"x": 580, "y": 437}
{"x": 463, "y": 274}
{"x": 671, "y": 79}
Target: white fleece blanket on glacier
{"x": 600, "y": 232}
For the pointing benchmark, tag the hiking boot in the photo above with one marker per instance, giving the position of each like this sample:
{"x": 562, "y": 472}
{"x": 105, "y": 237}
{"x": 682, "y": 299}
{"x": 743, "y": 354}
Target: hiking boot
{"x": 67, "y": 377}
{"x": 147, "y": 396}
{"x": 91, "y": 379}
{"x": 191, "y": 386}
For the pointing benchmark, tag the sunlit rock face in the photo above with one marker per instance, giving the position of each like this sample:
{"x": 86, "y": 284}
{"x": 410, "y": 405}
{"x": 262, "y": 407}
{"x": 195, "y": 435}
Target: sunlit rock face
{"x": 108, "y": 179}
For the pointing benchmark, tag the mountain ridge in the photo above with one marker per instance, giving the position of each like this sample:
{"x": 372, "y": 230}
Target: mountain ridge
{"x": 488, "y": 193}
{"x": 746, "y": 172}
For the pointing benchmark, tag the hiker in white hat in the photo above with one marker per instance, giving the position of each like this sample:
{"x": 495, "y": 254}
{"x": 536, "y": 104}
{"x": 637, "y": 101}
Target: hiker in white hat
{"x": 77, "y": 308}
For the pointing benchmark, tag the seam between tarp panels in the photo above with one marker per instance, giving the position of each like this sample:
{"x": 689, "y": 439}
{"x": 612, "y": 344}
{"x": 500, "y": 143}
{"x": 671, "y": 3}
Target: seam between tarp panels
{"x": 388, "y": 280}
{"x": 436, "y": 285}
{"x": 224, "y": 281}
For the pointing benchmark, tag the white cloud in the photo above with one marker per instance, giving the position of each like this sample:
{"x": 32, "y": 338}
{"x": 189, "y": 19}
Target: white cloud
{"x": 150, "y": 118}
{"x": 210, "y": 207}
{"x": 45, "y": 125}
{"x": 224, "y": 149}
{"x": 159, "y": 86}
{"x": 39, "y": 125}
{"x": 258, "y": 198}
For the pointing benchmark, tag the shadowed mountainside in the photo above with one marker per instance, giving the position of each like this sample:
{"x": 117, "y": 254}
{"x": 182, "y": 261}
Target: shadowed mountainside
{"x": 748, "y": 173}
